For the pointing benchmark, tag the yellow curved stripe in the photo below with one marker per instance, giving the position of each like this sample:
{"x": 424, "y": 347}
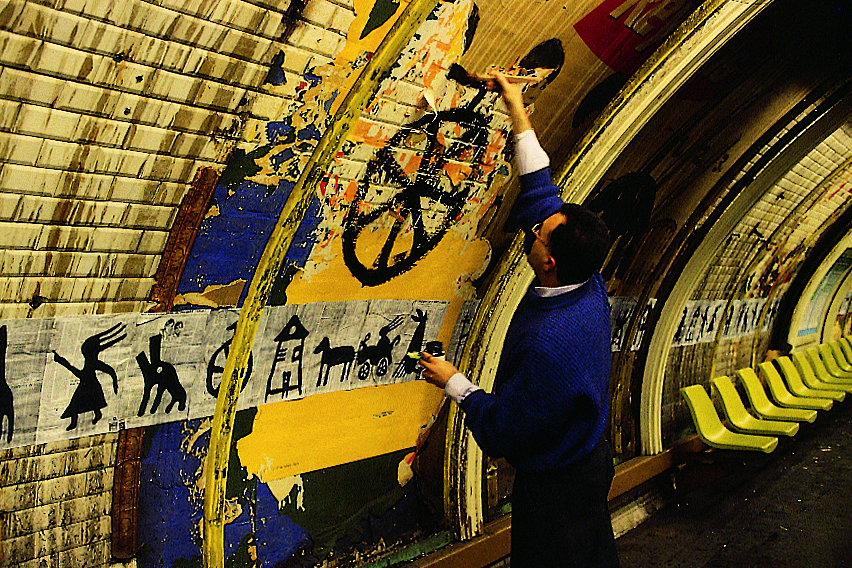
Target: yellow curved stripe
{"x": 270, "y": 263}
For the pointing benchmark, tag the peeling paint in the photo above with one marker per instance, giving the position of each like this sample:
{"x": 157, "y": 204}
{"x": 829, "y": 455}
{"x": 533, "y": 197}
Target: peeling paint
{"x": 214, "y": 296}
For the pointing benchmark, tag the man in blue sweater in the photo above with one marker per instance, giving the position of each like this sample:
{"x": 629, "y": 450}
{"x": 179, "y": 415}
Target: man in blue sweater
{"x": 550, "y": 406}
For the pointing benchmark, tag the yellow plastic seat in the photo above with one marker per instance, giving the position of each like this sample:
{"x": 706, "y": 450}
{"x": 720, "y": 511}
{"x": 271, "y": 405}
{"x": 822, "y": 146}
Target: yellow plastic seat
{"x": 740, "y": 418}
{"x": 839, "y": 356}
{"x": 713, "y": 432}
{"x": 818, "y": 365}
{"x": 846, "y": 347}
{"x": 784, "y": 397}
{"x": 812, "y": 379}
{"x": 798, "y": 387}
{"x": 761, "y": 404}
{"x": 830, "y": 362}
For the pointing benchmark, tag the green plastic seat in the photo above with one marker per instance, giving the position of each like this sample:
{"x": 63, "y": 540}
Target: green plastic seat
{"x": 784, "y": 397}
{"x": 830, "y": 362}
{"x": 740, "y": 418}
{"x": 818, "y": 365}
{"x": 711, "y": 430}
{"x": 839, "y": 356}
{"x": 761, "y": 404}
{"x": 798, "y": 387}
{"x": 812, "y": 379}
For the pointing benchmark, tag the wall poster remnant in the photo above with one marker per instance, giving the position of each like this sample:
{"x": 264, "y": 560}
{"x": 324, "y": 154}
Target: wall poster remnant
{"x": 70, "y": 377}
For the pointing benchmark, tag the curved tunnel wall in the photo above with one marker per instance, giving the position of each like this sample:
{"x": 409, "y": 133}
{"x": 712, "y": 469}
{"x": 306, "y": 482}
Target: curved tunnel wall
{"x": 149, "y": 150}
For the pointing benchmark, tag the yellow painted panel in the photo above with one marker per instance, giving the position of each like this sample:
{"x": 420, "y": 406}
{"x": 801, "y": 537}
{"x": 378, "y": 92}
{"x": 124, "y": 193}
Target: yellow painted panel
{"x": 294, "y": 437}
{"x": 438, "y": 276}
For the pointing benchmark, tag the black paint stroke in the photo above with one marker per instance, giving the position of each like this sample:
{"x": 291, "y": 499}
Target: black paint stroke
{"x": 380, "y": 13}
{"x": 216, "y": 365}
{"x": 378, "y": 355}
{"x": 549, "y": 54}
{"x": 626, "y": 205}
{"x": 332, "y": 357}
{"x": 159, "y": 373}
{"x": 89, "y": 395}
{"x": 7, "y": 400}
{"x": 405, "y": 207}
{"x": 290, "y": 341}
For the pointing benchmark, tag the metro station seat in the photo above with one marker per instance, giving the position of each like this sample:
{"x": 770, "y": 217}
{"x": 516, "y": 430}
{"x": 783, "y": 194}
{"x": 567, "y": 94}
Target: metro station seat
{"x": 798, "y": 387}
{"x": 846, "y": 347}
{"x": 815, "y": 379}
{"x": 761, "y": 404}
{"x": 740, "y": 418}
{"x": 821, "y": 371}
{"x": 830, "y": 362}
{"x": 711, "y": 430}
{"x": 784, "y": 397}
{"x": 839, "y": 356}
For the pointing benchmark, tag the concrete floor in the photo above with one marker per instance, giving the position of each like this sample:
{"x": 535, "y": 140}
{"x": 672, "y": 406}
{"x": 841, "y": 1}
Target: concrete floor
{"x": 789, "y": 509}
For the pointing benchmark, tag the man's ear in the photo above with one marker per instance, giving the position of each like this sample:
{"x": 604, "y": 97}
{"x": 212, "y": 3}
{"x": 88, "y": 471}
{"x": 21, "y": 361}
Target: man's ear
{"x": 549, "y": 264}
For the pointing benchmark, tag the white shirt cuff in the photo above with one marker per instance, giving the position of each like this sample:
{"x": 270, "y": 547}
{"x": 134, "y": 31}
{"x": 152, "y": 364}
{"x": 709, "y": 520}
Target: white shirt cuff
{"x": 458, "y": 388}
{"x": 529, "y": 155}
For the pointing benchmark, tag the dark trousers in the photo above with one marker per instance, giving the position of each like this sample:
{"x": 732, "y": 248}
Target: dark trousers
{"x": 561, "y": 519}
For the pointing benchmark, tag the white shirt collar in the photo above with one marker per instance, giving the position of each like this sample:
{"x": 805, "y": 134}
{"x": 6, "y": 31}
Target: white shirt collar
{"x": 544, "y": 292}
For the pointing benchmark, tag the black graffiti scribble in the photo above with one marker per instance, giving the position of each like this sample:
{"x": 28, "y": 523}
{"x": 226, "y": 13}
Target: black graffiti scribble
{"x": 289, "y": 349}
{"x": 159, "y": 373}
{"x": 408, "y": 239}
{"x": 89, "y": 395}
{"x": 409, "y": 365}
{"x": 216, "y": 365}
{"x": 378, "y": 355}
{"x": 333, "y": 357}
{"x": 7, "y": 401}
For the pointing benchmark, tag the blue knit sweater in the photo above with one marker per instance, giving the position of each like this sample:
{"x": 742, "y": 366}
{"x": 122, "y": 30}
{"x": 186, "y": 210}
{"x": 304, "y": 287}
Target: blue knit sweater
{"x": 551, "y": 401}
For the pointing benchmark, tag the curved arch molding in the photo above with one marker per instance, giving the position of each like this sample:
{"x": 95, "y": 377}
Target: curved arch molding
{"x": 698, "y": 38}
{"x": 695, "y": 268}
{"x": 270, "y": 263}
{"x": 812, "y": 288}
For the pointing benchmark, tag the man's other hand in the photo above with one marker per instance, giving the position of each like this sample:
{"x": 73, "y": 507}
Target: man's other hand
{"x": 436, "y": 371}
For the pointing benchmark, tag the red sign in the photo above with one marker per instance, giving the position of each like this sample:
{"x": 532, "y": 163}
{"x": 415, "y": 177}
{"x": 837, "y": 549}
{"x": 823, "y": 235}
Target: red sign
{"x": 624, "y": 33}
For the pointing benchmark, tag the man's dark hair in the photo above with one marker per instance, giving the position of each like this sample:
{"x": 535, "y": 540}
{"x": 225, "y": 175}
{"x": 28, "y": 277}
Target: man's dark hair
{"x": 580, "y": 245}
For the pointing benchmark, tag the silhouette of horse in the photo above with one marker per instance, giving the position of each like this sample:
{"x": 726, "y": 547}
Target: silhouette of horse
{"x": 163, "y": 375}
{"x": 332, "y": 357}
{"x": 409, "y": 365}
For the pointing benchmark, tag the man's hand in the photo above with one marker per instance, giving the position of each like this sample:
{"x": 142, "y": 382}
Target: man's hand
{"x": 436, "y": 371}
{"x": 513, "y": 97}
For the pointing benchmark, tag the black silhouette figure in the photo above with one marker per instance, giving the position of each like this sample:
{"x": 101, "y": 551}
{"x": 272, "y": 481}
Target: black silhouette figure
{"x": 681, "y": 328}
{"x": 332, "y": 357}
{"x": 216, "y": 365}
{"x": 89, "y": 396}
{"x": 378, "y": 354}
{"x": 711, "y": 325}
{"x": 290, "y": 341}
{"x": 7, "y": 406}
{"x": 161, "y": 374}
{"x": 621, "y": 319}
{"x": 409, "y": 365}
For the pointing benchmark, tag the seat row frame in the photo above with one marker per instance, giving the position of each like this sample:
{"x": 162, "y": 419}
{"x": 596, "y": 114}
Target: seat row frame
{"x": 800, "y": 385}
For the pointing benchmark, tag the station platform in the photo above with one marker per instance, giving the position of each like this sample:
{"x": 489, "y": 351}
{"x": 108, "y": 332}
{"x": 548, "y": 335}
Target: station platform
{"x": 788, "y": 509}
